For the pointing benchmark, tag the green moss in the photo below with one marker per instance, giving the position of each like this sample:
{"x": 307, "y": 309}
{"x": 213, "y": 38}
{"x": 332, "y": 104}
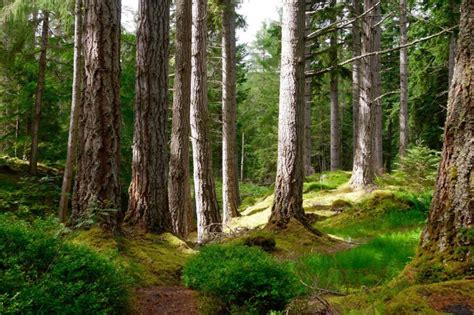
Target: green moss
{"x": 340, "y": 205}
{"x": 151, "y": 259}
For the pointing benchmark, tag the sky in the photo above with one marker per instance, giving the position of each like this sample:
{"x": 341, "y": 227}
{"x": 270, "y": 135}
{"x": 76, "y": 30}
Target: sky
{"x": 256, "y": 12}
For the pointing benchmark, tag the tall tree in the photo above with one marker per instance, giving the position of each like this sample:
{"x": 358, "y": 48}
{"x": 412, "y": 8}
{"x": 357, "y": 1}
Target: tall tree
{"x": 334, "y": 96}
{"x": 230, "y": 180}
{"x": 179, "y": 190}
{"x": 39, "y": 93}
{"x": 355, "y": 74}
{"x": 207, "y": 209}
{"x": 308, "y": 98}
{"x": 76, "y": 105}
{"x": 363, "y": 169}
{"x": 447, "y": 237}
{"x": 97, "y": 185}
{"x": 377, "y": 91}
{"x": 148, "y": 204}
{"x": 403, "y": 79}
{"x": 288, "y": 201}
{"x": 452, "y": 46}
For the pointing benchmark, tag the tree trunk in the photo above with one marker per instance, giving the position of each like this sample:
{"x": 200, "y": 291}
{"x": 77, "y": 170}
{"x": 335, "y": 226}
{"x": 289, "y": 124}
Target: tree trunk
{"x": 447, "y": 238}
{"x": 288, "y": 201}
{"x": 308, "y": 100}
{"x": 363, "y": 168}
{"x": 403, "y": 79}
{"x": 39, "y": 94}
{"x": 242, "y": 158}
{"x": 179, "y": 189}
{"x": 334, "y": 91}
{"x": 377, "y": 91}
{"x": 207, "y": 209}
{"x": 97, "y": 185}
{"x": 230, "y": 180}
{"x": 452, "y": 47}
{"x": 355, "y": 74}
{"x": 76, "y": 105}
{"x": 148, "y": 204}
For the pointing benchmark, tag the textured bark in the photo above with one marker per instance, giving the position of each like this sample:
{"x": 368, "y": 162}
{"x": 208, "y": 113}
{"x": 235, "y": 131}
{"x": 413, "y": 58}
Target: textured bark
{"x": 335, "y": 140}
{"x": 230, "y": 180}
{"x": 447, "y": 237}
{"x": 39, "y": 94}
{"x": 148, "y": 203}
{"x": 355, "y": 74}
{"x": 403, "y": 79}
{"x": 76, "y": 105}
{"x": 308, "y": 99}
{"x": 207, "y": 209}
{"x": 363, "y": 168}
{"x": 97, "y": 185}
{"x": 179, "y": 189}
{"x": 377, "y": 91}
{"x": 288, "y": 201}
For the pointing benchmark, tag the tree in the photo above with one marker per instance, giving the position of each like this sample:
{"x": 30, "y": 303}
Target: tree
{"x": 97, "y": 185}
{"x": 308, "y": 98}
{"x": 230, "y": 181}
{"x": 356, "y": 79}
{"x": 148, "y": 204}
{"x": 334, "y": 91}
{"x": 403, "y": 79}
{"x": 76, "y": 105}
{"x": 376, "y": 68}
{"x": 363, "y": 168}
{"x": 207, "y": 209}
{"x": 179, "y": 190}
{"x": 288, "y": 202}
{"x": 447, "y": 237}
{"x": 39, "y": 93}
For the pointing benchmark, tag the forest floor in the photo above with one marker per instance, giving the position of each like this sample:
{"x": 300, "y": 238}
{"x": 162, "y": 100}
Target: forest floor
{"x": 369, "y": 239}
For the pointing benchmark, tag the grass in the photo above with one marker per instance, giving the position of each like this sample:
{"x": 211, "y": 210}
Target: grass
{"x": 367, "y": 265}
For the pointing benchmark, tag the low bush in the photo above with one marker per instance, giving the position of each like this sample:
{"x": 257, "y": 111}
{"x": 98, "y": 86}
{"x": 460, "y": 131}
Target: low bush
{"x": 242, "y": 276}
{"x": 42, "y": 274}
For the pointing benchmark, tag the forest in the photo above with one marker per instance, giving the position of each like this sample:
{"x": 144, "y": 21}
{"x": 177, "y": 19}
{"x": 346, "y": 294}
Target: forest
{"x": 152, "y": 162}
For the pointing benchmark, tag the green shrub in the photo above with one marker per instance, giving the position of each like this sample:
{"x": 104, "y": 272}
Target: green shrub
{"x": 241, "y": 276}
{"x": 40, "y": 273}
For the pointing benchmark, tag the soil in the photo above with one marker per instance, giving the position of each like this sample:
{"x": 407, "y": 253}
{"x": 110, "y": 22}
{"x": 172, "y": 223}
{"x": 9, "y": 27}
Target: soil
{"x": 163, "y": 300}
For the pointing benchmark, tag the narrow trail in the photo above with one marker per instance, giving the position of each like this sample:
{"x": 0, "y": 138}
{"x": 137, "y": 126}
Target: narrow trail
{"x": 165, "y": 300}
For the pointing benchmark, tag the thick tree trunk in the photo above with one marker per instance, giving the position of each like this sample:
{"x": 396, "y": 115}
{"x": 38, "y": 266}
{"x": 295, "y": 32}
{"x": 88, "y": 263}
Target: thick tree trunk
{"x": 179, "y": 189}
{"x": 377, "y": 91}
{"x": 403, "y": 79}
{"x": 97, "y": 185}
{"x": 447, "y": 238}
{"x": 355, "y": 74}
{"x": 148, "y": 203}
{"x": 363, "y": 168}
{"x": 230, "y": 180}
{"x": 76, "y": 105}
{"x": 308, "y": 100}
{"x": 334, "y": 91}
{"x": 288, "y": 201}
{"x": 39, "y": 94}
{"x": 207, "y": 209}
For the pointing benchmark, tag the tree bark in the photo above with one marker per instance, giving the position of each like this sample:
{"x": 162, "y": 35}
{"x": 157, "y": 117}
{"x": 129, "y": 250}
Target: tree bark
{"x": 403, "y": 79}
{"x": 148, "y": 203}
{"x": 179, "y": 189}
{"x": 355, "y": 74}
{"x": 288, "y": 202}
{"x": 377, "y": 91}
{"x": 97, "y": 185}
{"x": 230, "y": 180}
{"x": 308, "y": 100}
{"x": 39, "y": 94}
{"x": 335, "y": 141}
{"x": 363, "y": 168}
{"x": 207, "y": 209}
{"x": 76, "y": 105}
{"x": 447, "y": 237}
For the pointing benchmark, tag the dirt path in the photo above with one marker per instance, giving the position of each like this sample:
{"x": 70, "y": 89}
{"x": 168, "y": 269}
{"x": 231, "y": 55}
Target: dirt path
{"x": 165, "y": 301}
